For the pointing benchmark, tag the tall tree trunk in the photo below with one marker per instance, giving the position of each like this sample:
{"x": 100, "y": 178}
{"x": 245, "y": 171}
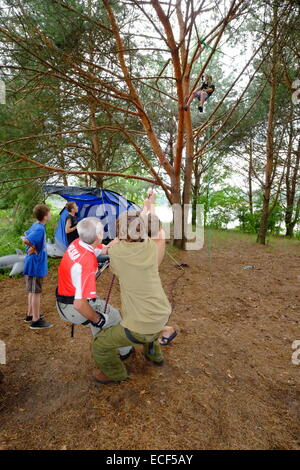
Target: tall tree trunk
{"x": 96, "y": 153}
{"x": 196, "y": 189}
{"x": 250, "y": 192}
{"x": 188, "y": 170}
{"x": 184, "y": 127}
{"x": 261, "y": 238}
{"x": 61, "y": 158}
{"x": 61, "y": 154}
{"x": 291, "y": 186}
{"x": 176, "y": 201}
{"x": 294, "y": 220}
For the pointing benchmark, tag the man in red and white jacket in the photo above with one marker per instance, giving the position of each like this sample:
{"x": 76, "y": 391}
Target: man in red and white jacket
{"x": 76, "y": 295}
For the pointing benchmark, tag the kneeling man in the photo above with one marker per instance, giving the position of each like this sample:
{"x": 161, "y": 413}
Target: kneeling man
{"x": 76, "y": 297}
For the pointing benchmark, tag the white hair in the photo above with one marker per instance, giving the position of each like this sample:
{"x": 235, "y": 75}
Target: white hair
{"x": 89, "y": 229}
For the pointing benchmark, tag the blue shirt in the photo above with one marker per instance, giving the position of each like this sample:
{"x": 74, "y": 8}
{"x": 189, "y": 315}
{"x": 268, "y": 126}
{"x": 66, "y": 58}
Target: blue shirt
{"x": 36, "y": 265}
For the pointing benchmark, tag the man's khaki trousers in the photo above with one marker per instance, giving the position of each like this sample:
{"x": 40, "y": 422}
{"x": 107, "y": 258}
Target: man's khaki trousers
{"x": 106, "y": 342}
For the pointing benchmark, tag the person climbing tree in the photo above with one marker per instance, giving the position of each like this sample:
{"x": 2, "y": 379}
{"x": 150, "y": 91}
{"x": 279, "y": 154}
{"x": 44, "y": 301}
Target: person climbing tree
{"x": 203, "y": 92}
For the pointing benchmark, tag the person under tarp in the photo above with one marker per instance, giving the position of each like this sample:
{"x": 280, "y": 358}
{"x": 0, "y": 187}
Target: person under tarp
{"x": 91, "y": 202}
{"x": 71, "y": 222}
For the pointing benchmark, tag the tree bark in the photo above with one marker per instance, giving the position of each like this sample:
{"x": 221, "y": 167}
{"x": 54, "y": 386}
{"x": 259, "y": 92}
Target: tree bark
{"x": 96, "y": 153}
{"x": 250, "y": 192}
{"x": 291, "y": 217}
{"x": 196, "y": 190}
{"x": 263, "y": 228}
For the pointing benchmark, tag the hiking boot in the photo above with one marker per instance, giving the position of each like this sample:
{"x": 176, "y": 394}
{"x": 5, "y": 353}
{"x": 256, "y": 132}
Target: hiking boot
{"x": 28, "y": 318}
{"x": 103, "y": 379}
{"x": 40, "y": 325}
{"x": 200, "y": 109}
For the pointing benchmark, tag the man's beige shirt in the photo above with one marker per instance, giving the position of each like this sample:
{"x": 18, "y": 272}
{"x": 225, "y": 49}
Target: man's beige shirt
{"x": 145, "y": 307}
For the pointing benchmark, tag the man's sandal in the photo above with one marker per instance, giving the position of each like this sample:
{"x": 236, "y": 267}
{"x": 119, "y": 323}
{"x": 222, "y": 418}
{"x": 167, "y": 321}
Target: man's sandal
{"x": 165, "y": 340}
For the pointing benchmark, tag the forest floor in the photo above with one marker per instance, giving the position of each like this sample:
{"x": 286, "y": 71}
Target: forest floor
{"x": 228, "y": 381}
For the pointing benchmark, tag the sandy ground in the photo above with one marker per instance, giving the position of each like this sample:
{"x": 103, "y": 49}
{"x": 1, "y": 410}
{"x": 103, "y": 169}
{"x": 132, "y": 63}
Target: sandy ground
{"x": 228, "y": 379}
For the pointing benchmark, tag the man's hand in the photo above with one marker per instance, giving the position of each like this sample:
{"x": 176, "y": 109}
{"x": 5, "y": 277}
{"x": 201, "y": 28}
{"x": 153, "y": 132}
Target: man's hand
{"x": 100, "y": 321}
{"x": 83, "y": 307}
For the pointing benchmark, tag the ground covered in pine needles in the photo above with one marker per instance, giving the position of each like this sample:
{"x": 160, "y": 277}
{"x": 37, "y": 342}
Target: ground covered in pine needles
{"x": 228, "y": 381}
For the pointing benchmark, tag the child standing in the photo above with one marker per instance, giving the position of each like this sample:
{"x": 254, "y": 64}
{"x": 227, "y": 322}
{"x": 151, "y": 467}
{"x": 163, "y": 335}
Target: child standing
{"x": 36, "y": 266}
{"x": 71, "y": 222}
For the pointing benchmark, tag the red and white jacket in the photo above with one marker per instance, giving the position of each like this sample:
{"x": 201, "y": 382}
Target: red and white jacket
{"x": 77, "y": 271}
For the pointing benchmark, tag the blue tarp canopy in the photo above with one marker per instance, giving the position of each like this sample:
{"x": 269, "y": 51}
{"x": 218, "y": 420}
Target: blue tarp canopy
{"x": 92, "y": 202}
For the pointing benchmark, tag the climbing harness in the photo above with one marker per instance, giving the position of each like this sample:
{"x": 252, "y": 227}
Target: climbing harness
{"x": 102, "y": 268}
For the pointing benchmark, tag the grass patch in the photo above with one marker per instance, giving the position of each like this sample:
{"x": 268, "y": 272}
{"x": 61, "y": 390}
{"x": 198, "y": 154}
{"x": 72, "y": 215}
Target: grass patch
{"x": 9, "y": 240}
{"x": 4, "y": 274}
{"x": 221, "y": 238}
{"x": 284, "y": 244}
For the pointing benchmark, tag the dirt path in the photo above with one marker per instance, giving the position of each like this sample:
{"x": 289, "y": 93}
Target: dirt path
{"x": 228, "y": 379}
